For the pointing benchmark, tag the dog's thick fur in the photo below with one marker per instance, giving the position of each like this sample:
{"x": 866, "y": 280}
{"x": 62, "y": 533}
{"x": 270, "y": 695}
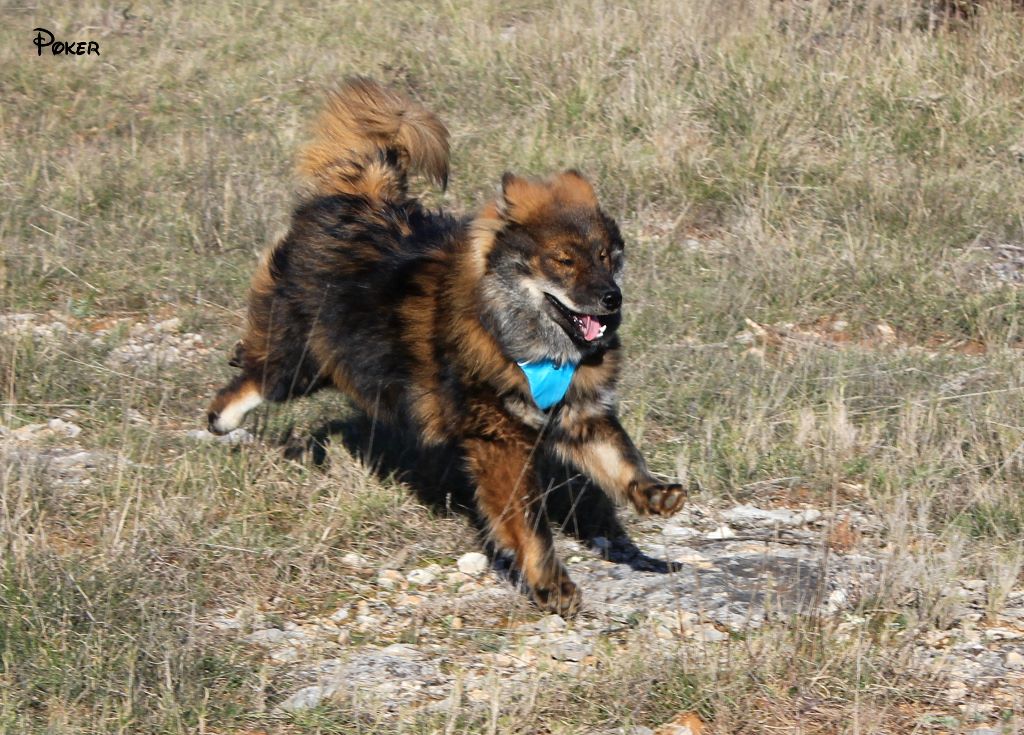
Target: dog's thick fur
{"x": 420, "y": 317}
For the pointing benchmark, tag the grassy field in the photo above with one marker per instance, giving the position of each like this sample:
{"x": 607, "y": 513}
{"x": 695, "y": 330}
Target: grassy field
{"x": 823, "y": 204}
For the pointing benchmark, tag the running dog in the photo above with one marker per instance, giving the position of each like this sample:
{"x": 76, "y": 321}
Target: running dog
{"x": 496, "y": 333}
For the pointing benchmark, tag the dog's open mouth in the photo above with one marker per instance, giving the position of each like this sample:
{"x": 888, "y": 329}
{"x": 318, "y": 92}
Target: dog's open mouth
{"x": 588, "y": 326}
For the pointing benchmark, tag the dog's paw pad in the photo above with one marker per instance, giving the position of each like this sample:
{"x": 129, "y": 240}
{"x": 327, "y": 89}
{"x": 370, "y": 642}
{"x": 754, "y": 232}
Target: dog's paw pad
{"x": 658, "y": 498}
{"x": 562, "y": 597}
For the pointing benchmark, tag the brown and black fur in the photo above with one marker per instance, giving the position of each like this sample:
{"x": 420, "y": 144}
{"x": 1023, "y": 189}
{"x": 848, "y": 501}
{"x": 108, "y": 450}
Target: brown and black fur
{"x": 421, "y": 318}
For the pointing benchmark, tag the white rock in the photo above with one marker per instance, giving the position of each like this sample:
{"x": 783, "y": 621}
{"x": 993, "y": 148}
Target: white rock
{"x": 710, "y": 634}
{"x": 570, "y": 649}
{"x": 837, "y": 599}
{"x": 26, "y": 432}
{"x": 285, "y": 655}
{"x": 233, "y": 438}
{"x": 238, "y": 436}
{"x": 473, "y": 563}
{"x": 550, "y": 624}
{"x": 354, "y": 561}
{"x": 65, "y": 428}
{"x": 679, "y": 531}
{"x": 389, "y": 579}
{"x": 722, "y": 532}
{"x": 811, "y": 515}
{"x": 339, "y": 615}
{"x": 1014, "y": 660}
{"x": 267, "y": 637}
{"x": 1002, "y": 634}
{"x": 309, "y": 697}
{"x": 169, "y": 325}
{"x": 974, "y": 585}
{"x": 956, "y": 692}
{"x": 675, "y": 620}
{"x": 421, "y": 577}
{"x": 884, "y": 332}
{"x": 749, "y": 515}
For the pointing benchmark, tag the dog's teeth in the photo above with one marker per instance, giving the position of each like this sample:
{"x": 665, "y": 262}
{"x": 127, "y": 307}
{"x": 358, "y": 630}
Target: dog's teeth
{"x": 600, "y": 332}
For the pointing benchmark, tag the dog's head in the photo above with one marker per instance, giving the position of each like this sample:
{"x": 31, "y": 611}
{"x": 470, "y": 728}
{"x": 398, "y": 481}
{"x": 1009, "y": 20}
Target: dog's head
{"x": 551, "y": 281}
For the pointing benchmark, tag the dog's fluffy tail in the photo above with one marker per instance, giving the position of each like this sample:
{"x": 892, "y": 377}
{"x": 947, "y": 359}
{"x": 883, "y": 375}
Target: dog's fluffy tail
{"x": 368, "y": 139}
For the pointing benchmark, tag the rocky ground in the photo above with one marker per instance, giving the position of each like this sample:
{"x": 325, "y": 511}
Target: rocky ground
{"x": 427, "y": 637}
{"x": 459, "y": 634}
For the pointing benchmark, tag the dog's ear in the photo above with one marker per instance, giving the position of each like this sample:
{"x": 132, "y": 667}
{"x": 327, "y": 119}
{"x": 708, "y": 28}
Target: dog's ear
{"x": 522, "y": 199}
{"x": 571, "y": 188}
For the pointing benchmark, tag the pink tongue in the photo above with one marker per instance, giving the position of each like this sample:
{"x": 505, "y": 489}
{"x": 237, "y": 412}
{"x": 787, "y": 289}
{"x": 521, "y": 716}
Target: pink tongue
{"x": 591, "y": 327}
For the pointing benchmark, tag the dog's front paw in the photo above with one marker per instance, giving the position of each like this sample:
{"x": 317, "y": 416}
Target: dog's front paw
{"x": 561, "y": 596}
{"x": 657, "y": 498}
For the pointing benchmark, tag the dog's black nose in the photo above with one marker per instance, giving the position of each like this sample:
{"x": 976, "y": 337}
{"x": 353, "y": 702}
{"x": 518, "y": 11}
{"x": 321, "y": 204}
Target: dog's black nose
{"x": 612, "y": 300}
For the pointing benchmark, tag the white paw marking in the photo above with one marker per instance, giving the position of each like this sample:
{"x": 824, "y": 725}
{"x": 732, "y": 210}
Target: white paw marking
{"x": 234, "y": 413}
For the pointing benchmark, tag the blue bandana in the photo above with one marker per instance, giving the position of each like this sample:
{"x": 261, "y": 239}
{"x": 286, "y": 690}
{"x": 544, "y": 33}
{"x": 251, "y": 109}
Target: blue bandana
{"x": 548, "y": 381}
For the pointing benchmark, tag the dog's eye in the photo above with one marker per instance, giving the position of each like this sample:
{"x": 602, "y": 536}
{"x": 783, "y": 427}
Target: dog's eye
{"x": 564, "y": 261}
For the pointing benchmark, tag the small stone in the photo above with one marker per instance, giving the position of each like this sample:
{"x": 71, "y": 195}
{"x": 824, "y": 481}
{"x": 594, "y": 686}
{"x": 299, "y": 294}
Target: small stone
{"x": 884, "y": 332}
{"x": 64, "y": 428}
{"x": 456, "y": 623}
{"x": 478, "y": 695}
{"x": 342, "y": 613}
{"x": 354, "y": 561}
{"x": 1002, "y": 634}
{"x": 974, "y": 585}
{"x": 309, "y": 697}
{"x": 389, "y": 579}
{"x": 266, "y": 637}
{"x": 676, "y": 621}
{"x": 570, "y": 649}
{"x": 663, "y": 632}
{"x": 679, "y": 531}
{"x": 474, "y": 563}
{"x": 421, "y": 577}
{"x": 457, "y": 578}
{"x": 811, "y": 515}
{"x": 1014, "y": 660}
{"x": 837, "y": 599}
{"x": 722, "y": 532}
{"x": 236, "y": 437}
{"x": 285, "y": 655}
{"x": 550, "y": 624}
{"x": 28, "y": 431}
{"x": 956, "y": 692}
{"x": 169, "y": 325}
{"x": 710, "y": 634}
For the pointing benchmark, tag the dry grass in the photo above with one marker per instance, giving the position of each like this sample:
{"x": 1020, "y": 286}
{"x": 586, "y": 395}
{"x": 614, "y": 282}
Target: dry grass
{"x": 795, "y": 163}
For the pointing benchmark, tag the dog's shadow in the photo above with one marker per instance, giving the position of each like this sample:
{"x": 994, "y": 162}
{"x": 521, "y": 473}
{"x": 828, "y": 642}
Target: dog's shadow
{"x": 437, "y": 477}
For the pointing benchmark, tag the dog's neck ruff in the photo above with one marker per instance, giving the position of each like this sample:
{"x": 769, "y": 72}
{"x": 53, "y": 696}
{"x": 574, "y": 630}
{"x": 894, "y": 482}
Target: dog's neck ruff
{"x": 549, "y": 381}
